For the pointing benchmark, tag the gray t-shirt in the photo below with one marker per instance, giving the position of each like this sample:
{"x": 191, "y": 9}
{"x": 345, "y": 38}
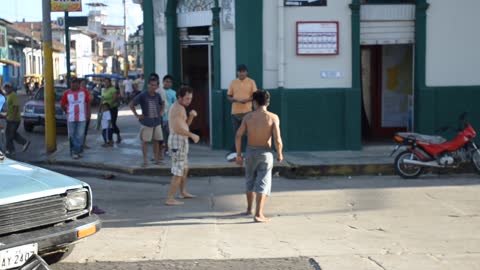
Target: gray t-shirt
{"x": 151, "y": 106}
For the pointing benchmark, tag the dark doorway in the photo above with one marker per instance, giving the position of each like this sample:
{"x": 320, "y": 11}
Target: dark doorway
{"x": 387, "y": 90}
{"x": 195, "y": 73}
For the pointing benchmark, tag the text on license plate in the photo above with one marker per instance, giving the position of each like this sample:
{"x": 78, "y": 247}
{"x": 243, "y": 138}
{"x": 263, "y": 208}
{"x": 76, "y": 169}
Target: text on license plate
{"x": 17, "y": 256}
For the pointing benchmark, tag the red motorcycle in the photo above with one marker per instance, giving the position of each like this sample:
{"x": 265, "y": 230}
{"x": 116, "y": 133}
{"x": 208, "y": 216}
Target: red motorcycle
{"x": 424, "y": 151}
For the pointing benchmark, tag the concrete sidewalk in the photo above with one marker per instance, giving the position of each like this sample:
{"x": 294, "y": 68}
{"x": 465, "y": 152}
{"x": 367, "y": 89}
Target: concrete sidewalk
{"x": 127, "y": 158}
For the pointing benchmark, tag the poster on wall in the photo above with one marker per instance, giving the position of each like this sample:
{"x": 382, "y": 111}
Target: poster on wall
{"x": 305, "y": 3}
{"x": 397, "y": 85}
{"x": 66, "y": 5}
{"x": 317, "y": 38}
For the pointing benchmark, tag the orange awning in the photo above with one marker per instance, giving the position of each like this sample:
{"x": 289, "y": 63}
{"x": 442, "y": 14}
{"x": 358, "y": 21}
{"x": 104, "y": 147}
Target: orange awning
{"x": 9, "y": 62}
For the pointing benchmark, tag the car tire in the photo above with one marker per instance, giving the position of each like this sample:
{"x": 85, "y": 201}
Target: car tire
{"x": 56, "y": 257}
{"x": 28, "y": 127}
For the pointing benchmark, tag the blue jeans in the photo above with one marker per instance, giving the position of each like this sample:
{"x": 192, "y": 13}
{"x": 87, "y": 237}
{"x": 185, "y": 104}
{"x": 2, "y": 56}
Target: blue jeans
{"x": 76, "y": 132}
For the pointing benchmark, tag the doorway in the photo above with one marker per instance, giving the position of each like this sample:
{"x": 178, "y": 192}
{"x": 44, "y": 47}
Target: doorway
{"x": 387, "y": 90}
{"x": 197, "y": 73}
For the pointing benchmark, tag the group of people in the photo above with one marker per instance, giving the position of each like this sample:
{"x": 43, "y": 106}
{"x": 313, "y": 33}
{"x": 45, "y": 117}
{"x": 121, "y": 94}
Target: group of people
{"x": 164, "y": 123}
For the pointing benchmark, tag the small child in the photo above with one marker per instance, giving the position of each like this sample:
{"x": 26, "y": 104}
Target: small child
{"x": 107, "y": 130}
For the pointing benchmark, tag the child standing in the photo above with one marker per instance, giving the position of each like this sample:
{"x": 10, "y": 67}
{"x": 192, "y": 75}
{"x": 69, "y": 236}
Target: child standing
{"x": 107, "y": 130}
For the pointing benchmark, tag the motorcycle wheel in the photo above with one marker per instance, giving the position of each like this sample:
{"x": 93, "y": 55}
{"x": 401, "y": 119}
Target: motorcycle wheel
{"x": 476, "y": 160}
{"x": 407, "y": 171}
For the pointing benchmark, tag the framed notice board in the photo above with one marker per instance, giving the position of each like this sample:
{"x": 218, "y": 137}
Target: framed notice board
{"x": 305, "y": 3}
{"x": 317, "y": 38}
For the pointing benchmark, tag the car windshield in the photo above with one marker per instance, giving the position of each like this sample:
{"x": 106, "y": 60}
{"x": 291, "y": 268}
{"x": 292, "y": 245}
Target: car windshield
{"x": 40, "y": 95}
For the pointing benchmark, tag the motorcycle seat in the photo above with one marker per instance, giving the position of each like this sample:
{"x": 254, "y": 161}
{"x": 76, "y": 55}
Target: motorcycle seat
{"x": 423, "y": 138}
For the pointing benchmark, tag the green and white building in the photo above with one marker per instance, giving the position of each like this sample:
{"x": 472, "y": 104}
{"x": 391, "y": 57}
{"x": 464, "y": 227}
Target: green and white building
{"x": 341, "y": 72}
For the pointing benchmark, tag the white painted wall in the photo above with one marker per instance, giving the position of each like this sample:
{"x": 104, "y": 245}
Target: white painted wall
{"x": 305, "y": 71}
{"x": 270, "y": 48}
{"x": 161, "y": 60}
{"x": 83, "y": 54}
{"x": 452, "y": 57}
{"x": 227, "y": 49}
{"x": 227, "y": 57}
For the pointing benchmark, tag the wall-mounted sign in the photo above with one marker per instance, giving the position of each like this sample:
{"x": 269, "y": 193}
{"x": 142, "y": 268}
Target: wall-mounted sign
{"x": 303, "y": 3}
{"x": 66, "y": 5}
{"x": 317, "y": 38}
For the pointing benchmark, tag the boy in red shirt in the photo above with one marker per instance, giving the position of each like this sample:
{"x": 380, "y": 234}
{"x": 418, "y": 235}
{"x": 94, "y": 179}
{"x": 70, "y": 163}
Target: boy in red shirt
{"x": 76, "y": 104}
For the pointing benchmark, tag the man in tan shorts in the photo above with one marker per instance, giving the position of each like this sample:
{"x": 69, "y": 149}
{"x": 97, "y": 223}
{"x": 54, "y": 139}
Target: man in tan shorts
{"x": 261, "y": 125}
{"x": 178, "y": 144}
{"x": 150, "y": 119}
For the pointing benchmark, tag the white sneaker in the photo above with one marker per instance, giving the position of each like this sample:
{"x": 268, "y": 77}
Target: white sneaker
{"x": 232, "y": 157}
{"x": 75, "y": 156}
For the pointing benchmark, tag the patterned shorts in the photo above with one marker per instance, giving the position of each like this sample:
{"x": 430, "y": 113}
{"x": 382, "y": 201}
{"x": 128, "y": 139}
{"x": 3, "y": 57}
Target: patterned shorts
{"x": 178, "y": 149}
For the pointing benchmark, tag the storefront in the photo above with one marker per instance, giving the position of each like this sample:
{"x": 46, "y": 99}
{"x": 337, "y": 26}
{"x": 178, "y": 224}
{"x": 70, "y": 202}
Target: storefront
{"x": 341, "y": 73}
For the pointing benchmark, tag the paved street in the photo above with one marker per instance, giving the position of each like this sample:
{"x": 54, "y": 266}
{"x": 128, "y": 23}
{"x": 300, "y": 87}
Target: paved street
{"x": 331, "y": 223}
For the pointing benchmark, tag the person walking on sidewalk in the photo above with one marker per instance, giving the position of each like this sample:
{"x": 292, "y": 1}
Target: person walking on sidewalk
{"x": 112, "y": 97}
{"x": 13, "y": 122}
{"x": 178, "y": 144}
{"x": 260, "y": 125}
{"x": 240, "y": 94}
{"x": 150, "y": 119}
{"x": 76, "y": 104}
{"x": 106, "y": 123}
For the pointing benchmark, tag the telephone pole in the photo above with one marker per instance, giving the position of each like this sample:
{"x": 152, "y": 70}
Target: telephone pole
{"x": 50, "y": 125}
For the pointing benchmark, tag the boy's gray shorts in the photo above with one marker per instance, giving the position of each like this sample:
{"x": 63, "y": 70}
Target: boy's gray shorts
{"x": 258, "y": 170}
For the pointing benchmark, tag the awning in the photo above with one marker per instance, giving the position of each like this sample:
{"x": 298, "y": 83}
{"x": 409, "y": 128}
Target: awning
{"x": 9, "y": 62}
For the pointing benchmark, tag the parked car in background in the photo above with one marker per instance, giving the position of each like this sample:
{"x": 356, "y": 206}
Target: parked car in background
{"x": 34, "y": 110}
{"x": 41, "y": 212}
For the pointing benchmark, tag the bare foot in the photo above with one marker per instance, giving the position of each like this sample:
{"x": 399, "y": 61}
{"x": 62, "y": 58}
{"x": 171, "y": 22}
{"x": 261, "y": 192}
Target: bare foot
{"x": 261, "y": 219}
{"x": 173, "y": 202}
{"x": 186, "y": 195}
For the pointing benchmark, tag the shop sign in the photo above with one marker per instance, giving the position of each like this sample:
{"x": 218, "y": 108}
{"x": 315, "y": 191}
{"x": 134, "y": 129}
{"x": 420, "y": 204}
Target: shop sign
{"x": 66, "y": 5}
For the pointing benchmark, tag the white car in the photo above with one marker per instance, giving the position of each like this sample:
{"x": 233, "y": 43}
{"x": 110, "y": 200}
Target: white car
{"x": 41, "y": 212}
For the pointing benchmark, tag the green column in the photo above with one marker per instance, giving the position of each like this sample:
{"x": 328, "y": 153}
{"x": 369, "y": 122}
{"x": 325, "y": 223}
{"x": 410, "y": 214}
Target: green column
{"x": 353, "y": 110}
{"x": 173, "y": 42}
{"x": 148, "y": 39}
{"x": 216, "y": 91}
{"x": 424, "y": 97}
{"x": 249, "y": 37}
{"x": 216, "y": 46}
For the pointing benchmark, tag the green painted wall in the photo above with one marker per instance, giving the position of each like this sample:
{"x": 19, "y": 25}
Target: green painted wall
{"x": 249, "y": 37}
{"x": 311, "y": 119}
{"x": 441, "y": 106}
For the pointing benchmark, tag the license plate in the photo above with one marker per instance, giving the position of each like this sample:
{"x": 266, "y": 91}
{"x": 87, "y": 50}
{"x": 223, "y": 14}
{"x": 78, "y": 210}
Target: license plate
{"x": 17, "y": 256}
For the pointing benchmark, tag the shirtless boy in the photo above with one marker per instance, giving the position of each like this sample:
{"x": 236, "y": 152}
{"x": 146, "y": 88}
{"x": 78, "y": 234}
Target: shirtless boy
{"x": 260, "y": 126}
{"x": 178, "y": 144}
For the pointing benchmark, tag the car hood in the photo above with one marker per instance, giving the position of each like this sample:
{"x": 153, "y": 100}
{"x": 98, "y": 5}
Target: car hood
{"x": 21, "y": 181}
{"x": 40, "y": 103}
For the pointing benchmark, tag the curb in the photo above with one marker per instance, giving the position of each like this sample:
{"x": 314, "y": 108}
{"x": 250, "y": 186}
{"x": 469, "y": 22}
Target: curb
{"x": 285, "y": 170}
